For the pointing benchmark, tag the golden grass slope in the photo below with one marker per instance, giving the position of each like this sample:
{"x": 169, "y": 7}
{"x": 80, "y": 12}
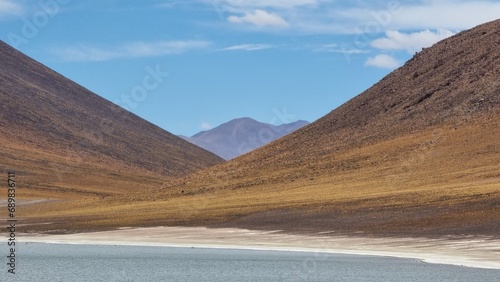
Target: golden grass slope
{"x": 390, "y": 192}
{"x": 416, "y": 154}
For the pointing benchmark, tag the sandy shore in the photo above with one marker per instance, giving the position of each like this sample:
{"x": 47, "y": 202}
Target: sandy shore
{"x": 481, "y": 252}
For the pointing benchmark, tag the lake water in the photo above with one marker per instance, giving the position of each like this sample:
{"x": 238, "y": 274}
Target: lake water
{"x": 63, "y": 262}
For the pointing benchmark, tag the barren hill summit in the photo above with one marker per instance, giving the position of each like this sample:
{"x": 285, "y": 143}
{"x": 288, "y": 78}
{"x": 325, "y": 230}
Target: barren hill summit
{"x": 61, "y": 139}
{"x": 458, "y": 79}
{"x": 417, "y": 154}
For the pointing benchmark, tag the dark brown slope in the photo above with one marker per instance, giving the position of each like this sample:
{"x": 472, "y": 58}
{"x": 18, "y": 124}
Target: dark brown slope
{"x": 417, "y": 154}
{"x": 453, "y": 81}
{"x": 59, "y": 136}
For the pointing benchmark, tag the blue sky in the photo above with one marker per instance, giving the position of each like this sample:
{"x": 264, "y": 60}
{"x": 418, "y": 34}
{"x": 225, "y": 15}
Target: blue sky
{"x": 187, "y": 66}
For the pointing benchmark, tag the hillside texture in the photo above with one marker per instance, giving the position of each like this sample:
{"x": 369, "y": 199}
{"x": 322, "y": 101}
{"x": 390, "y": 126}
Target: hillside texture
{"x": 62, "y": 140}
{"x": 417, "y": 154}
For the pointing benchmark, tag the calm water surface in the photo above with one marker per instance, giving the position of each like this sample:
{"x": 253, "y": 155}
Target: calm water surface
{"x": 63, "y": 262}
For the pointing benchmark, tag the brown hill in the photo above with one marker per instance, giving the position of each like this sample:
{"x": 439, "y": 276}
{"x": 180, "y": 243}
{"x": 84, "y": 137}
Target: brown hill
{"x": 416, "y": 154}
{"x": 62, "y": 140}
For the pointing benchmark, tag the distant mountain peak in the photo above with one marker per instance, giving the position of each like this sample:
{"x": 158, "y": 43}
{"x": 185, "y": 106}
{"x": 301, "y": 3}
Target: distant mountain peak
{"x": 241, "y": 135}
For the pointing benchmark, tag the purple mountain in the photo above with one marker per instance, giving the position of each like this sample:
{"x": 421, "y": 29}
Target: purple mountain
{"x": 240, "y": 136}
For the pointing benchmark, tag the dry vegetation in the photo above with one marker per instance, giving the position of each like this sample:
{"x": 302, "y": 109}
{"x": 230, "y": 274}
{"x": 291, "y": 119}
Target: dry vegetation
{"x": 391, "y": 191}
{"x": 416, "y": 154}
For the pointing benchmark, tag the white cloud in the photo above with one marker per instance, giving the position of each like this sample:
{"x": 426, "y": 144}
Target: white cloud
{"x": 206, "y": 126}
{"x": 256, "y": 4}
{"x": 129, "y": 50}
{"x": 336, "y": 48}
{"x": 10, "y": 8}
{"x": 260, "y": 18}
{"x": 411, "y": 42}
{"x": 248, "y": 47}
{"x": 383, "y": 61}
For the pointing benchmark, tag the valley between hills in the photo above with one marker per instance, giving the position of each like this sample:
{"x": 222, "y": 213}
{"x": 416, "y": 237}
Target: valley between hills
{"x": 417, "y": 154}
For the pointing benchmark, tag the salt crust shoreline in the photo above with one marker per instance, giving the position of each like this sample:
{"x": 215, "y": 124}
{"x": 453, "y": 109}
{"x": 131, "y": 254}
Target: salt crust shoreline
{"x": 478, "y": 252}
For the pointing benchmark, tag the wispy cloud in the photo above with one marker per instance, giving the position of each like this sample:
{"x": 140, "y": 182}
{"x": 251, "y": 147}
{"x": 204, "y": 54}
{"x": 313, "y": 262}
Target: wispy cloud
{"x": 260, "y": 18}
{"x": 248, "y": 47}
{"x": 10, "y": 8}
{"x": 170, "y": 4}
{"x": 85, "y": 52}
{"x": 383, "y": 61}
{"x": 339, "y": 48}
{"x": 239, "y": 5}
{"x": 411, "y": 42}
